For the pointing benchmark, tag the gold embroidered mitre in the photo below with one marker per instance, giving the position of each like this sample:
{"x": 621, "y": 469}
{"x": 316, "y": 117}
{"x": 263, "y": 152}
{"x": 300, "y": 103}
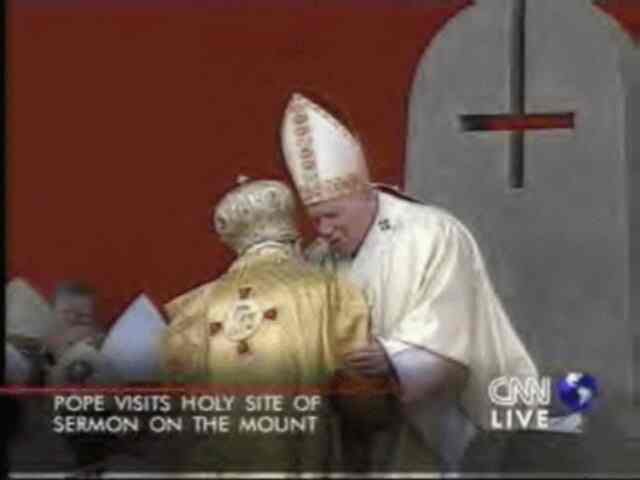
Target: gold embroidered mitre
{"x": 254, "y": 212}
{"x": 325, "y": 160}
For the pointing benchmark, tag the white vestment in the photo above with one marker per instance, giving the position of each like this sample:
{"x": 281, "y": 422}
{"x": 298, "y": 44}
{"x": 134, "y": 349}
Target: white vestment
{"x": 426, "y": 284}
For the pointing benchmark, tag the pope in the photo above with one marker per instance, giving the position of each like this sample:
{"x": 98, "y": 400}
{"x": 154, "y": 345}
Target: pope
{"x": 438, "y": 327}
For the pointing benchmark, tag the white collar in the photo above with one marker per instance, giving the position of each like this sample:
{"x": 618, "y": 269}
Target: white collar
{"x": 268, "y": 246}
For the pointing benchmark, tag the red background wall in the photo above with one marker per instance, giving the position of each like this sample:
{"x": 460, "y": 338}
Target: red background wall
{"x": 128, "y": 120}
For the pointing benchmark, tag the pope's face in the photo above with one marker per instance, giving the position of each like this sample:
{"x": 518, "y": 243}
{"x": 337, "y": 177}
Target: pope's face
{"x": 345, "y": 221}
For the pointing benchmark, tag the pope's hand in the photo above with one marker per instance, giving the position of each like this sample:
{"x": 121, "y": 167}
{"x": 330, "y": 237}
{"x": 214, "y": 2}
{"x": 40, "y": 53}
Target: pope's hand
{"x": 370, "y": 361}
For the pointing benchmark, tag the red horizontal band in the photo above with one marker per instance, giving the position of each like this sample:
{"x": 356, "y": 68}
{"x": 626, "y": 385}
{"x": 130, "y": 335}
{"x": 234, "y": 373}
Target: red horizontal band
{"x": 511, "y": 122}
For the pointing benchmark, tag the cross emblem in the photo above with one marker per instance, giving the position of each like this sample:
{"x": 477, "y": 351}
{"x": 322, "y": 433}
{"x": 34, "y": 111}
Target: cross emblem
{"x": 242, "y": 321}
{"x": 384, "y": 224}
{"x": 517, "y": 122}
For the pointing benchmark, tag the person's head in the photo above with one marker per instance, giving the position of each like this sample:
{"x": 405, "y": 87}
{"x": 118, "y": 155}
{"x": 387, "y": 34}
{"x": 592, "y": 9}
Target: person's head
{"x": 74, "y": 304}
{"x": 256, "y": 211}
{"x": 344, "y": 221}
{"x": 328, "y": 167}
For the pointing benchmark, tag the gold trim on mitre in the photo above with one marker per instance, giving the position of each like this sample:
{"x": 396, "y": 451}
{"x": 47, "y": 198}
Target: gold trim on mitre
{"x": 325, "y": 160}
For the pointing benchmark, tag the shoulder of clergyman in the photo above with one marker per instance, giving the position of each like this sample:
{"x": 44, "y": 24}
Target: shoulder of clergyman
{"x": 403, "y": 218}
{"x": 184, "y": 309}
{"x": 418, "y": 231}
{"x": 292, "y": 277}
{"x": 450, "y": 228}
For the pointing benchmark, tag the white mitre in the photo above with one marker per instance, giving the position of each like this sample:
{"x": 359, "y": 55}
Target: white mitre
{"x": 325, "y": 160}
{"x": 133, "y": 345}
{"x": 28, "y": 314}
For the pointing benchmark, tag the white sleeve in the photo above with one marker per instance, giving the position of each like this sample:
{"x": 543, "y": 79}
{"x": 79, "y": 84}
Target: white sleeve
{"x": 412, "y": 365}
{"x": 438, "y": 421}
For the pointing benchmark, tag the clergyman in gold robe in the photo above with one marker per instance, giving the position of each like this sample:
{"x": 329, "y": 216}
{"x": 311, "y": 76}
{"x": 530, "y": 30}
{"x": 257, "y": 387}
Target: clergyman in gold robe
{"x": 272, "y": 320}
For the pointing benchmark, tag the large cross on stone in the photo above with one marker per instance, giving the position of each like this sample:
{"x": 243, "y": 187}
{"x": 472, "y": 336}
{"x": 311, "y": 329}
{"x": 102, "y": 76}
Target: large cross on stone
{"x": 518, "y": 121}
{"x": 564, "y": 252}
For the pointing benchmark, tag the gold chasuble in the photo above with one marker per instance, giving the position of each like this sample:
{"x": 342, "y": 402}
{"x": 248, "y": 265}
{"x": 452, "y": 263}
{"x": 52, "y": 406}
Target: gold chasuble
{"x": 271, "y": 320}
{"x": 271, "y": 323}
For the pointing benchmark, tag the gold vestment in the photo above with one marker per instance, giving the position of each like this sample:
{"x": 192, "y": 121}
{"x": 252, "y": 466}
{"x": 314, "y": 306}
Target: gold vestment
{"x": 271, "y": 320}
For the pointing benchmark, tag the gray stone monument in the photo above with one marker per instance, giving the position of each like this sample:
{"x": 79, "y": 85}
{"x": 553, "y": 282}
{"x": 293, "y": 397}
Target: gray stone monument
{"x": 521, "y": 123}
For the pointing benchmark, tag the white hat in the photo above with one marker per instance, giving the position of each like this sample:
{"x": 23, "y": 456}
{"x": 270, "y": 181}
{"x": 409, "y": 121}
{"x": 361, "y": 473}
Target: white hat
{"x": 28, "y": 314}
{"x": 133, "y": 345}
{"x": 325, "y": 160}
